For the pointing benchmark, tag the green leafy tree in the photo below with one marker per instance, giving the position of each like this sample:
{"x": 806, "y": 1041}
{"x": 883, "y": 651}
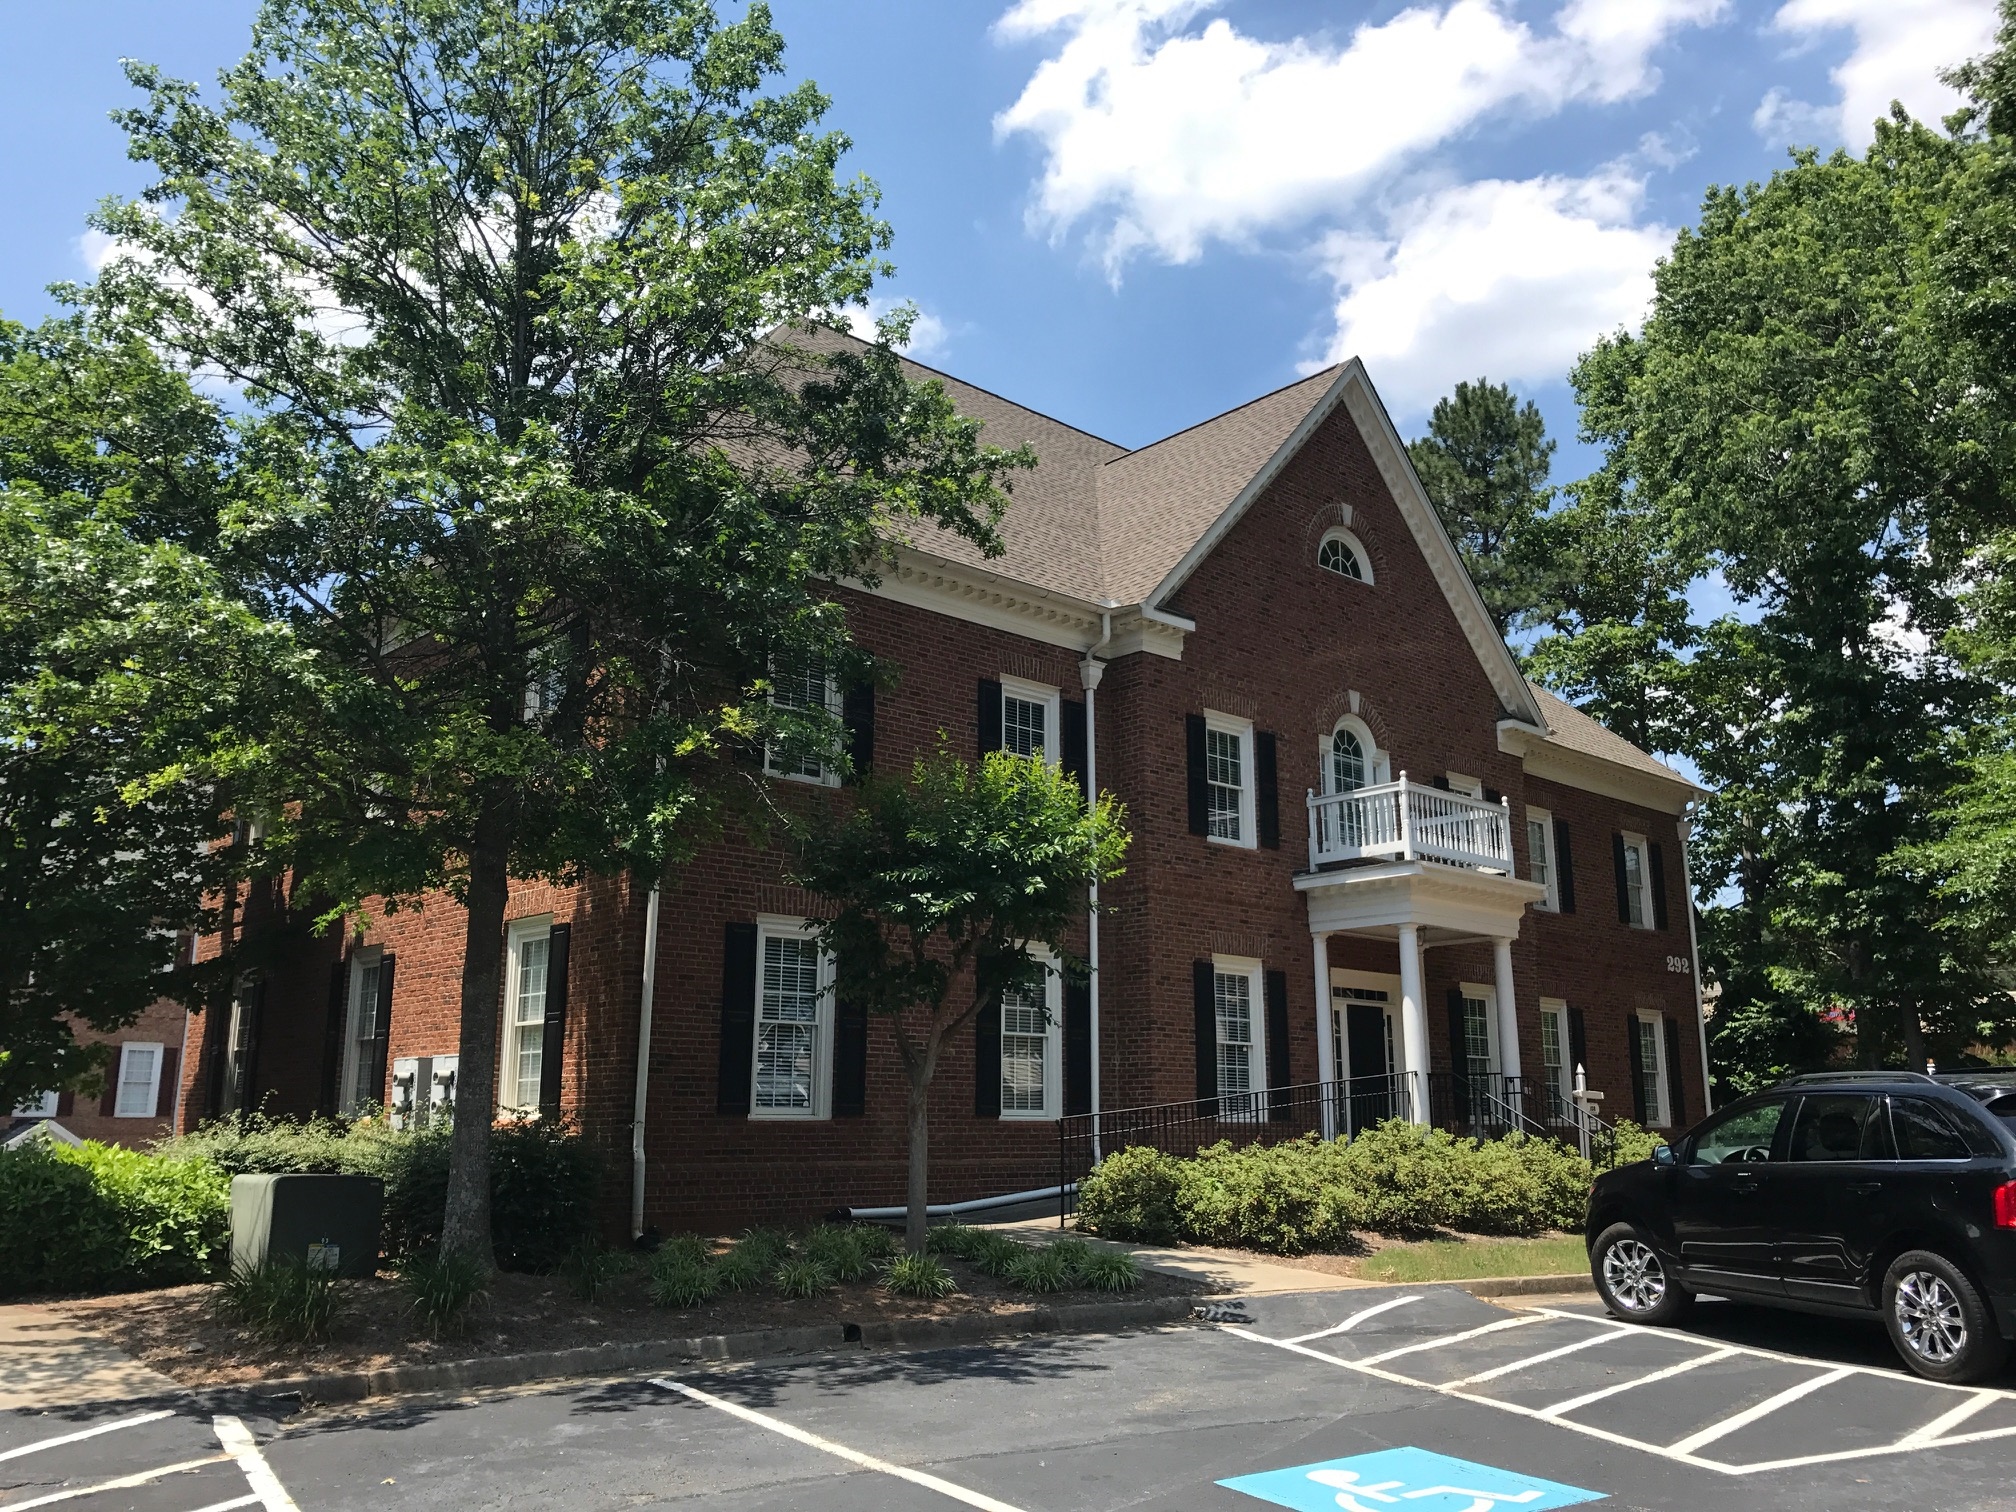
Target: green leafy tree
{"x": 1484, "y": 463}
{"x": 522, "y": 467}
{"x": 946, "y": 889}
{"x": 124, "y": 665}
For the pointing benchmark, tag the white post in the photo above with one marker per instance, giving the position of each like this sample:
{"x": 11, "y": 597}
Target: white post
{"x": 1326, "y": 1040}
{"x": 1508, "y": 1017}
{"x": 1581, "y": 1101}
{"x": 1413, "y": 1022}
{"x": 1313, "y": 846}
{"x": 1406, "y": 827}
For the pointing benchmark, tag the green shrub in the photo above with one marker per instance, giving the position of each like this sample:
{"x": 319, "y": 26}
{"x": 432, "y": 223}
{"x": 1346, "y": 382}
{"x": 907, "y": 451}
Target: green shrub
{"x": 1284, "y": 1199}
{"x": 768, "y": 1248}
{"x": 1075, "y": 1252}
{"x": 839, "y": 1249}
{"x": 1109, "y": 1270}
{"x": 877, "y": 1242}
{"x": 285, "y": 1301}
{"x": 918, "y": 1276}
{"x": 678, "y": 1280}
{"x": 800, "y": 1278}
{"x": 1403, "y": 1179}
{"x": 589, "y": 1268}
{"x": 952, "y": 1239}
{"x": 100, "y": 1218}
{"x": 992, "y": 1254}
{"x": 690, "y": 1247}
{"x": 544, "y": 1182}
{"x": 1631, "y": 1144}
{"x": 1039, "y": 1269}
{"x": 254, "y": 1144}
{"x": 442, "y": 1289}
{"x": 737, "y": 1270}
{"x": 1131, "y": 1196}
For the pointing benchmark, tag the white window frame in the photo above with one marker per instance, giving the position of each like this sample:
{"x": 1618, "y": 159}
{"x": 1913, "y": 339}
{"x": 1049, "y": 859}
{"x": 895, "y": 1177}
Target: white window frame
{"x": 1555, "y": 1011}
{"x": 1229, "y": 724}
{"x": 1255, "y": 1094}
{"x": 353, "y": 1023}
{"x": 120, "y": 1105}
{"x": 828, "y": 774}
{"x": 779, "y": 927}
{"x": 1357, "y": 549}
{"x": 1053, "y": 1052}
{"x": 517, "y": 935}
{"x": 1479, "y": 992}
{"x": 1052, "y": 702}
{"x": 1377, "y": 767}
{"x": 1658, "y": 1108}
{"x": 43, "y": 1105}
{"x": 1641, "y": 896}
{"x": 1468, "y": 787}
{"x": 1544, "y": 855}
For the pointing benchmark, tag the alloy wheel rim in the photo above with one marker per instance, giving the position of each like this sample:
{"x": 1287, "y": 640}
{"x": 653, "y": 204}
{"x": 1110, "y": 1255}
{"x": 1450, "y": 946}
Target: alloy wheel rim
{"x": 1634, "y": 1276}
{"x": 1929, "y": 1317}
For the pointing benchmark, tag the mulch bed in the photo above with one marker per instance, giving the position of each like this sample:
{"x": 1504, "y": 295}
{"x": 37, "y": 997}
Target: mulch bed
{"x": 177, "y": 1330}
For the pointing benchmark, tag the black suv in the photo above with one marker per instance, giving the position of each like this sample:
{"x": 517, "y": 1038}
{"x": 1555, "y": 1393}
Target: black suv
{"x": 1847, "y": 1193}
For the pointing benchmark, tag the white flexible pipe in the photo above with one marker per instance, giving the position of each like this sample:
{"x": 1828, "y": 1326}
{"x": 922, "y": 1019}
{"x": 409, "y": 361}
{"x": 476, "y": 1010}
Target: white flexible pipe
{"x": 954, "y": 1209}
{"x": 647, "y": 991}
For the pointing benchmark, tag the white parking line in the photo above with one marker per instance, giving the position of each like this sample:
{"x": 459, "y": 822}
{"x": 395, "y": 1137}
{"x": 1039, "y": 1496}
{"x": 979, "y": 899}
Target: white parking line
{"x": 1545, "y": 1355}
{"x": 1710, "y": 1358}
{"x": 1353, "y": 1321}
{"x": 242, "y": 1447}
{"x": 124, "y": 1482}
{"x": 1943, "y": 1424}
{"x": 228, "y": 1506}
{"x": 839, "y": 1451}
{"x": 84, "y": 1433}
{"x": 1763, "y": 1409}
{"x": 1456, "y": 1338}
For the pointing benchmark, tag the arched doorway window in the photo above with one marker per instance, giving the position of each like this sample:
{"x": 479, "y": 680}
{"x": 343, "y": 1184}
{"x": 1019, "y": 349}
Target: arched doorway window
{"x": 1350, "y": 768}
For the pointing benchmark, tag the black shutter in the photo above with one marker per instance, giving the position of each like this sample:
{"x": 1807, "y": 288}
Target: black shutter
{"x": 1637, "y": 1067}
{"x": 171, "y": 1079}
{"x": 1071, "y": 741}
{"x": 1277, "y": 1042}
{"x": 108, "y": 1100}
{"x": 1564, "y": 867}
{"x": 1200, "y": 788}
{"x": 1623, "y": 882}
{"x": 1493, "y": 796}
{"x": 1204, "y": 999}
{"x": 1656, "y": 859}
{"x": 248, "y": 1060}
{"x": 738, "y": 1017}
{"x": 1267, "y": 805}
{"x": 1459, "y": 1058}
{"x": 1077, "y": 1048}
{"x": 857, "y": 713}
{"x": 1676, "y": 1096}
{"x": 66, "y": 1104}
{"x": 850, "y": 1057}
{"x": 1578, "y": 1043}
{"x": 217, "y": 1051}
{"x": 381, "y": 1029}
{"x": 990, "y": 716}
{"x": 332, "y": 1036}
{"x": 553, "y": 1035}
{"x": 987, "y": 1062}
{"x": 1441, "y": 782}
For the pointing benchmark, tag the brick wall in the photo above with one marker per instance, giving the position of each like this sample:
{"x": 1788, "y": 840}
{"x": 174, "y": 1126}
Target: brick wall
{"x": 96, "y": 1116}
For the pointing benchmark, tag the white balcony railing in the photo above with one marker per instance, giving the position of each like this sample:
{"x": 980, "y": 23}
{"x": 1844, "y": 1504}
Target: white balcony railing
{"x": 1407, "y": 821}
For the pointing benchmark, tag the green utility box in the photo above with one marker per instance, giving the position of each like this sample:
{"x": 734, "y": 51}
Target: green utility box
{"x": 327, "y": 1222}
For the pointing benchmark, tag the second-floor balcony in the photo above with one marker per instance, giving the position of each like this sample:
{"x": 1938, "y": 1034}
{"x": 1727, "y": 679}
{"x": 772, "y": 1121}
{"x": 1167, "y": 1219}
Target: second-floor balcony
{"x": 1409, "y": 821}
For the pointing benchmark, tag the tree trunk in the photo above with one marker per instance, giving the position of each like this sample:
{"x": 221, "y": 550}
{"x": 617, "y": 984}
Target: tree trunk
{"x": 465, "y": 1225}
{"x": 917, "y": 1220}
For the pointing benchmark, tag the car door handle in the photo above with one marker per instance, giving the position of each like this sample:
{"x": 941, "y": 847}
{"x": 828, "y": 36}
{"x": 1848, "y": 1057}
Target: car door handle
{"x": 1864, "y": 1188}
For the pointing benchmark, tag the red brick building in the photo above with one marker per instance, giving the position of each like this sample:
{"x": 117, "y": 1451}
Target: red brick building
{"x": 142, "y": 1081}
{"x": 1365, "y": 850}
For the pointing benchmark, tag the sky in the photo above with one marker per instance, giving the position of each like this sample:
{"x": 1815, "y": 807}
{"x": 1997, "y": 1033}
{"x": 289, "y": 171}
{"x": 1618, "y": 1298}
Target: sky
{"x": 1134, "y": 214}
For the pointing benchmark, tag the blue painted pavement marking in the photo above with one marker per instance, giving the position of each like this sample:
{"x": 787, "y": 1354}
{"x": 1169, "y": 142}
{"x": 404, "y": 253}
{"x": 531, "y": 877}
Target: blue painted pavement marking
{"x": 1406, "y": 1480}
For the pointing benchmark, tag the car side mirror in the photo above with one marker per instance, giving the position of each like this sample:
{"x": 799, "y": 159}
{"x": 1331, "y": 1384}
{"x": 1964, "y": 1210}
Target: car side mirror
{"x": 1662, "y": 1155}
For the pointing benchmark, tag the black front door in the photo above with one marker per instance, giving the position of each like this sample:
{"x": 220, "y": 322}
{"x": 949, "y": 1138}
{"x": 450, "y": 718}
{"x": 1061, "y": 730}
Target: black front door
{"x": 1831, "y": 1195}
{"x": 1372, "y": 1098}
{"x": 1725, "y": 1218}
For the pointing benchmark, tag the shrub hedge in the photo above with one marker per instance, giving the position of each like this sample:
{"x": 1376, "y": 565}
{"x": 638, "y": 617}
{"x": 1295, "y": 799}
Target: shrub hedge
{"x": 1310, "y": 1194}
{"x": 100, "y": 1218}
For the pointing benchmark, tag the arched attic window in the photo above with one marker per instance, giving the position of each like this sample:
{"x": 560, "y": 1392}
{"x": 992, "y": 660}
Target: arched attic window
{"x": 1342, "y": 553}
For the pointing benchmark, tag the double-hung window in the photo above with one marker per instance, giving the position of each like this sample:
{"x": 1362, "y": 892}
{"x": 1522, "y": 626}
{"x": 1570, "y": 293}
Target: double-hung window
{"x": 42, "y": 1105}
{"x": 1029, "y": 715}
{"x": 1555, "y": 1070}
{"x": 1228, "y": 780}
{"x": 1637, "y": 908}
{"x": 1540, "y": 855}
{"x": 1242, "y": 1052}
{"x": 1652, "y": 1067}
{"x": 527, "y": 979}
{"x": 1477, "y": 1056}
{"x": 358, "y": 1087}
{"x": 139, "y": 1081}
{"x": 792, "y": 1071}
{"x": 1031, "y": 1062}
{"x": 802, "y": 687}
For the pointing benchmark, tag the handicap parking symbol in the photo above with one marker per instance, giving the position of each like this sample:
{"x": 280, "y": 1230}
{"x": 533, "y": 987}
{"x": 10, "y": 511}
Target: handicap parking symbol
{"x": 1406, "y": 1480}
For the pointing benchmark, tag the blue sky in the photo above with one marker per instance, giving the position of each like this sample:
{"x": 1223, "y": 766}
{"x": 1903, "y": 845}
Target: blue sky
{"x": 1135, "y": 213}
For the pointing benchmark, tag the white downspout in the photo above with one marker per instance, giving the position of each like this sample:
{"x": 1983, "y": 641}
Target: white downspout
{"x": 647, "y": 991}
{"x": 1090, "y": 671}
{"x": 1694, "y": 966}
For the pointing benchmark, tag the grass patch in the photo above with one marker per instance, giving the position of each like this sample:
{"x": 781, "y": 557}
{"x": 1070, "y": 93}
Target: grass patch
{"x": 1468, "y": 1260}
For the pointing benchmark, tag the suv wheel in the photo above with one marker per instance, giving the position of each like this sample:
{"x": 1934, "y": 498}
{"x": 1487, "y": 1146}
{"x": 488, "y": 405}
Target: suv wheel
{"x": 1633, "y": 1280}
{"x": 1938, "y": 1321}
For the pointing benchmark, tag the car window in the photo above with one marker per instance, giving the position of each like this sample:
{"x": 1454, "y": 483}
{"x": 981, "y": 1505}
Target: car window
{"x": 1737, "y": 1137}
{"x": 1835, "y": 1127}
{"x": 2004, "y": 1108}
{"x": 1926, "y": 1131}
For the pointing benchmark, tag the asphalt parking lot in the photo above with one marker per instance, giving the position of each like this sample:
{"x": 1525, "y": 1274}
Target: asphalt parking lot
{"x": 1389, "y": 1399}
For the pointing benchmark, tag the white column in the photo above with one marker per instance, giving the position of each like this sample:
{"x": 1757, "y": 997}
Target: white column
{"x": 1508, "y": 1015}
{"x": 1413, "y": 1021}
{"x": 1326, "y": 1048}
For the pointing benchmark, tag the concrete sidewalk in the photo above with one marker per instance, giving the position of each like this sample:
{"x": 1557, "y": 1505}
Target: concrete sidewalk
{"x": 1222, "y": 1270}
{"x": 46, "y": 1360}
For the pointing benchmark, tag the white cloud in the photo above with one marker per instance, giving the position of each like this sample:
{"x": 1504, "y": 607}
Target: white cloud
{"x": 928, "y": 334}
{"x": 1794, "y": 123}
{"x": 1900, "y": 47}
{"x": 1175, "y": 137}
{"x": 1506, "y": 279}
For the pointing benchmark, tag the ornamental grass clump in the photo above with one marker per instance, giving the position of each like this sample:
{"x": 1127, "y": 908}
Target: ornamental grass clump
{"x": 1109, "y": 1271}
{"x": 282, "y": 1301}
{"x": 918, "y": 1276}
{"x": 839, "y": 1250}
{"x": 1039, "y": 1269}
{"x": 589, "y": 1268}
{"x": 993, "y": 1254}
{"x": 442, "y": 1289}
{"x": 768, "y": 1247}
{"x": 680, "y": 1280}
{"x": 801, "y": 1277}
{"x": 956, "y": 1239}
{"x": 738, "y": 1270}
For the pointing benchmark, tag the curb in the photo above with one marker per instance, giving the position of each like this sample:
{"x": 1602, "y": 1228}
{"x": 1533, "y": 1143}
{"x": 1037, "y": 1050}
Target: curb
{"x": 1528, "y": 1286}
{"x": 756, "y": 1344}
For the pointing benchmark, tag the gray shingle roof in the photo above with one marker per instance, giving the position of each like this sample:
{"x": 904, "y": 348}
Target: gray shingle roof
{"x": 1573, "y": 730}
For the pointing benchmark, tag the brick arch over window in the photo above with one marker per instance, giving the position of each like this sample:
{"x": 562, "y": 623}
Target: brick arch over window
{"x": 1338, "y": 516}
{"x": 1339, "y": 706}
